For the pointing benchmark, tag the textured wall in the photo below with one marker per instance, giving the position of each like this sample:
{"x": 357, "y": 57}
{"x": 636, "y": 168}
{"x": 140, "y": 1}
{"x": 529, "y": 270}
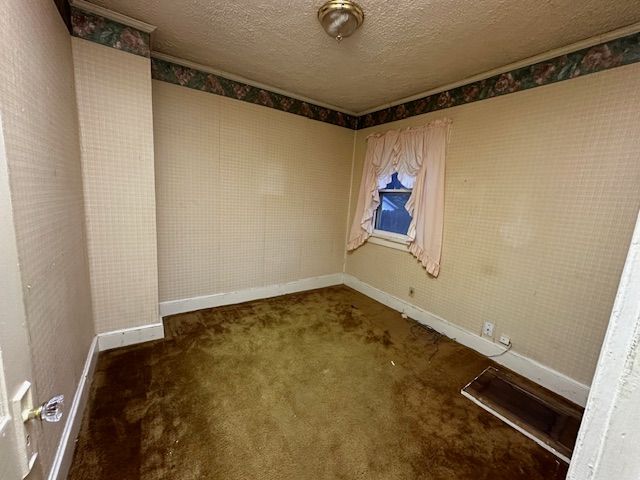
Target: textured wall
{"x": 38, "y": 108}
{"x": 542, "y": 190}
{"x": 116, "y": 136}
{"x": 247, "y": 196}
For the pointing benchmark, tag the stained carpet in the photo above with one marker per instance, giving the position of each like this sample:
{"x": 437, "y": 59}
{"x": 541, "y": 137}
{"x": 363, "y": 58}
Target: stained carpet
{"x": 326, "y": 384}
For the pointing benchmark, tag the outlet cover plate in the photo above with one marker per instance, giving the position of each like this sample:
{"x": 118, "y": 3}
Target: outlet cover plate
{"x": 487, "y": 329}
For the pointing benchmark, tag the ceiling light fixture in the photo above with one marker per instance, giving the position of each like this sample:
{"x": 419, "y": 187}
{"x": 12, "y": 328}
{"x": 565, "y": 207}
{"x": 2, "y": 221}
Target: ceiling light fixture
{"x": 340, "y": 18}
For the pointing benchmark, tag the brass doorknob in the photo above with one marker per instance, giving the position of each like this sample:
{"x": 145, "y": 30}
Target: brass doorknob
{"x": 49, "y": 411}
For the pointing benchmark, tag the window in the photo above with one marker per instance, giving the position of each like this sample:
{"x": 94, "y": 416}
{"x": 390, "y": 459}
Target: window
{"x": 391, "y": 214}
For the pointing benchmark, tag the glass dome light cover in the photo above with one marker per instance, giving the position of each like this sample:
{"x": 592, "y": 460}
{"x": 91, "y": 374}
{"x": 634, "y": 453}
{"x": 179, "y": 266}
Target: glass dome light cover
{"x": 340, "y": 18}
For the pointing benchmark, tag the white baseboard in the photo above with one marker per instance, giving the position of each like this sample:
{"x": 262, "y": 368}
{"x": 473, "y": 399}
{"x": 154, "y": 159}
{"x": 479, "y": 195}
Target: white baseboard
{"x": 173, "y": 307}
{"x": 130, "y": 336}
{"x": 553, "y": 380}
{"x": 66, "y": 446}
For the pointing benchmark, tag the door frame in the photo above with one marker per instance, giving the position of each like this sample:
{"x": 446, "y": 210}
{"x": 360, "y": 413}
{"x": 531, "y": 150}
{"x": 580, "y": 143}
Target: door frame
{"x": 18, "y": 441}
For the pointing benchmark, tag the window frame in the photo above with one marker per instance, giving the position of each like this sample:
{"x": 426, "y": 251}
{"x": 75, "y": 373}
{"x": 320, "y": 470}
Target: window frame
{"x": 385, "y": 238}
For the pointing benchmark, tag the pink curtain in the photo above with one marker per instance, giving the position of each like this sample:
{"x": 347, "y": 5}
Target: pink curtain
{"x": 383, "y": 153}
{"x": 418, "y": 155}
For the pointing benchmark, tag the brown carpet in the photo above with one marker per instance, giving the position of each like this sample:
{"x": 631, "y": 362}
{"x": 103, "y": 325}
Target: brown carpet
{"x": 326, "y": 384}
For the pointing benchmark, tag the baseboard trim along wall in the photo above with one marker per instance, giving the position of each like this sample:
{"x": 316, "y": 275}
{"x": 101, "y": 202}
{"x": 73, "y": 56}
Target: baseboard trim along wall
{"x": 130, "y": 336}
{"x": 173, "y": 307}
{"x": 66, "y": 447}
{"x": 535, "y": 371}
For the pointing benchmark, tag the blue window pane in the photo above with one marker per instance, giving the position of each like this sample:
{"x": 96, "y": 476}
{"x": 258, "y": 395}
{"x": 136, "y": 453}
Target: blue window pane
{"x": 394, "y": 184}
{"x": 391, "y": 215}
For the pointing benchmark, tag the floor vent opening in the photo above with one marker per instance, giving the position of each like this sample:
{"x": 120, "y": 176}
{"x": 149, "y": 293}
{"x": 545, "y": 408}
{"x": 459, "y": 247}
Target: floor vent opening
{"x": 548, "y": 419}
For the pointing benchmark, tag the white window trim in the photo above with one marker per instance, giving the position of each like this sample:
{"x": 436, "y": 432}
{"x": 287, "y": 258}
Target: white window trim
{"x": 395, "y": 190}
{"x": 390, "y": 239}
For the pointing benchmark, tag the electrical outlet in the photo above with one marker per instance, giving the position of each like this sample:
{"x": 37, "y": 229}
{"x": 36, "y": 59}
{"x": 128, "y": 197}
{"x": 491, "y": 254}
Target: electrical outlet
{"x": 411, "y": 291}
{"x": 487, "y": 329}
{"x": 505, "y": 340}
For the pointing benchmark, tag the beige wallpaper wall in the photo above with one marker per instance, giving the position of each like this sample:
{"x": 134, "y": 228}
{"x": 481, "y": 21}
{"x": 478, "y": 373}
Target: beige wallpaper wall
{"x": 247, "y": 196}
{"x": 38, "y": 109}
{"x": 542, "y": 192}
{"x": 116, "y": 136}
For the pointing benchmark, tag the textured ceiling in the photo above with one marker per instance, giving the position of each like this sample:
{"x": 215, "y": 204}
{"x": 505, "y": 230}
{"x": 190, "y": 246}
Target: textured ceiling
{"x": 403, "y": 48}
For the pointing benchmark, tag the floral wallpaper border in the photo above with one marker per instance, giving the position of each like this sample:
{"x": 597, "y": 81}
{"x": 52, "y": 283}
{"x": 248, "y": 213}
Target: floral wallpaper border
{"x": 615, "y": 53}
{"x": 209, "y": 82}
{"x": 110, "y": 33}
